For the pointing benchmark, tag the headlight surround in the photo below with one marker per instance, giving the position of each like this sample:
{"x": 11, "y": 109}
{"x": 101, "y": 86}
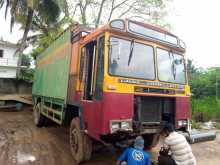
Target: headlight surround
{"x": 115, "y": 126}
{"x": 125, "y": 125}
{"x": 182, "y": 123}
{"x": 122, "y": 125}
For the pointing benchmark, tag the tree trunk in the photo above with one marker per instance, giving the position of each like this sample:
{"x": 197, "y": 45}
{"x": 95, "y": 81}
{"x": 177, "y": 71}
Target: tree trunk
{"x": 22, "y": 45}
{"x": 100, "y": 13}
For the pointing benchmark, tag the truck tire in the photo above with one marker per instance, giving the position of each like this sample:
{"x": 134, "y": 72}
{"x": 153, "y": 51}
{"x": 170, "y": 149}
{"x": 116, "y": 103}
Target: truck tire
{"x": 155, "y": 140}
{"x": 80, "y": 143}
{"x": 87, "y": 144}
{"x": 38, "y": 117}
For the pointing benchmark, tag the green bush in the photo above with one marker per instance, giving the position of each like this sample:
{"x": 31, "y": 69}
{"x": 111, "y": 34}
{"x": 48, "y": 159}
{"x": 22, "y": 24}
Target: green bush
{"x": 26, "y": 74}
{"x": 208, "y": 106}
{"x": 195, "y": 125}
{"x": 217, "y": 126}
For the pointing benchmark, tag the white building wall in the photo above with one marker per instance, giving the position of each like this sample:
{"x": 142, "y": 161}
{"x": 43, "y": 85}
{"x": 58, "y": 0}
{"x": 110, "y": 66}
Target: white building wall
{"x": 8, "y": 63}
{"x": 7, "y": 72}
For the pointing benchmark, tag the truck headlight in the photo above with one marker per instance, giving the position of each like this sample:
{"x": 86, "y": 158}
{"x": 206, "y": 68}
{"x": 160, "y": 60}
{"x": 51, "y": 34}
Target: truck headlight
{"x": 123, "y": 125}
{"x": 182, "y": 123}
{"x": 115, "y": 126}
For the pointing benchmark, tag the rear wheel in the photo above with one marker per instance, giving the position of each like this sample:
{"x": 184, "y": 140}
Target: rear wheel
{"x": 39, "y": 119}
{"x": 87, "y": 142}
{"x": 80, "y": 143}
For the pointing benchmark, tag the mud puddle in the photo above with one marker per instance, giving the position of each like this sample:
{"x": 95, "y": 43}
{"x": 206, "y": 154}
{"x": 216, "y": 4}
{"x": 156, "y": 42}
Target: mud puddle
{"x": 21, "y": 143}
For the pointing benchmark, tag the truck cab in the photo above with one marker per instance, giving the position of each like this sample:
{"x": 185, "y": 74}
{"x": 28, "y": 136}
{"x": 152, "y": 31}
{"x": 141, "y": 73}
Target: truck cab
{"x": 136, "y": 81}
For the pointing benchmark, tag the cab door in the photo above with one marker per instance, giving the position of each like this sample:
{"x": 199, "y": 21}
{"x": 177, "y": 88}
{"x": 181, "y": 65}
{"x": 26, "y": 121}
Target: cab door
{"x": 92, "y": 80}
{"x": 89, "y": 51}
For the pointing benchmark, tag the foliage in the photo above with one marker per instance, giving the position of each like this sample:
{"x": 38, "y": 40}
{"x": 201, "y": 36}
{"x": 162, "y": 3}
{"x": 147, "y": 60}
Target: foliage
{"x": 192, "y": 70}
{"x": 47, "y": 18}
{"x": 85, "y": 11}
{"x": 43, "y": 17}
{"x": 205, "y": 82}
{"x": 217, "y": 125}
{"x": 39, "y": 16}
{"x": 205, "y": 89}
{"x": 195, "y": 125}
{"x": 30, "y": 13}
{"x": 27, "y": 74}
{"x": 25, "y": 60}
{"x": 96, "y": 12}
{"x": 42, "y": 41}
{"x": 208, "y": 106}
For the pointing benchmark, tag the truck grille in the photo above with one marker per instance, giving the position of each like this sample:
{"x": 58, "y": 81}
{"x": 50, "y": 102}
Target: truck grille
{"x": 158, "y": 91}
{"x": 149, "y": 109}
{"x": 154, "y": 110}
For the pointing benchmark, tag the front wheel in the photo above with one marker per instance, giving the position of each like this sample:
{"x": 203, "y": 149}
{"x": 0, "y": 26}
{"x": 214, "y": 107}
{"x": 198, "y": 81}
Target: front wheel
{"x": 87, "y": 142}
{"x": 80, "y": 143}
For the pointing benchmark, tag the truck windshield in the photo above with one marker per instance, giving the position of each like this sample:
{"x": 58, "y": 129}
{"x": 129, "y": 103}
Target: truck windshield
{"x": 131, "y": 59}
{"x": 170, "y": 67}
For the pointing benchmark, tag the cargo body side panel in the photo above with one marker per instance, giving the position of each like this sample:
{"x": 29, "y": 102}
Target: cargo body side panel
{"x": 52, "y": 69}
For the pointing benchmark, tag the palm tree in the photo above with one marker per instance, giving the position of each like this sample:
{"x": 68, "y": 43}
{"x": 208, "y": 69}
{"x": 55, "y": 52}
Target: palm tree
{"x": 35, "y": 15}
{"x": 24, "y": 12}
{"x": 46, "y": 34}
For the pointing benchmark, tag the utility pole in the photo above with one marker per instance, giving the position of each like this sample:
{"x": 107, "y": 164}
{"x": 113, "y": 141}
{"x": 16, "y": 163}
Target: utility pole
{"x": 216, "y": 87}
{"x": 216, "y": 83}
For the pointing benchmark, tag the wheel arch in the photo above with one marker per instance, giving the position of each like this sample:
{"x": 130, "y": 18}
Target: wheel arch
{"x": 73, "y": 111}
{"x": 36, "y": 99}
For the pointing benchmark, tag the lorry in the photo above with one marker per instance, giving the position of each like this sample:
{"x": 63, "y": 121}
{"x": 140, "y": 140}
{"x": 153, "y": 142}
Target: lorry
{"x": 112, "y": 84}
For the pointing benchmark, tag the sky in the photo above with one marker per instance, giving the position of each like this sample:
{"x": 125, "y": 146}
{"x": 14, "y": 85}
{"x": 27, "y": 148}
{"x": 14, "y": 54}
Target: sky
{"x": 5, "y": 29}
{"x": 196, "y": 22}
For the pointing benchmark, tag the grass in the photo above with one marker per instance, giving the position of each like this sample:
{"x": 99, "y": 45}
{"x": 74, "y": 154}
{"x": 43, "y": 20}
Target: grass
{"x": 217, "y": 125}
{"x": 195, "y": 125}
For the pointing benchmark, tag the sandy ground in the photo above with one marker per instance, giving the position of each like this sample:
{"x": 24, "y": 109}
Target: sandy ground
{"x": 208, "y": 153}
{"x": 21, "y": 143}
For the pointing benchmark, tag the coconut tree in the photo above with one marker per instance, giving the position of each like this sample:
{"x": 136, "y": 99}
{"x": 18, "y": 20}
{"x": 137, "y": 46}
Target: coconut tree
{"x": 25, "y": 11}
{"x": 34, "y": 15}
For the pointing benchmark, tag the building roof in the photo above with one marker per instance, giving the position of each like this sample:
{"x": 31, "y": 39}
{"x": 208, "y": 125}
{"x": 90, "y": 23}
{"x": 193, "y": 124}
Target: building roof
{"x": 8, "y": 44}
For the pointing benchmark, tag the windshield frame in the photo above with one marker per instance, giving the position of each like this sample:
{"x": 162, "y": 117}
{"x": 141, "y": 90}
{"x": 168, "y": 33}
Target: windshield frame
{"x": 135, "y": 41}
{"x": 184, "y": 64}
{"x": 176, "y": 44}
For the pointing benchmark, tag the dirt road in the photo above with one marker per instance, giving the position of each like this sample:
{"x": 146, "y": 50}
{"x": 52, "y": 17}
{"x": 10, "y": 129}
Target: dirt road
{"x": 21, "y": 143}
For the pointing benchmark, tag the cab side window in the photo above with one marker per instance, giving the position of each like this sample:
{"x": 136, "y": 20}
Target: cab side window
{"x": 100, "y": 69}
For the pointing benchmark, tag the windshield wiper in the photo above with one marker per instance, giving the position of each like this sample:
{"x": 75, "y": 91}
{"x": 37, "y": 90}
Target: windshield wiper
{"x": 131, "y": 52}
{"x": 173, "y": 66}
